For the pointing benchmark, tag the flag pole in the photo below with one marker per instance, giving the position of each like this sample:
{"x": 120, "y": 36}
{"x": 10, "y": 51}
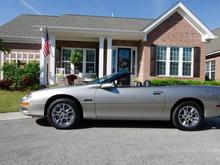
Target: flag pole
{"x": 46, "y": 52}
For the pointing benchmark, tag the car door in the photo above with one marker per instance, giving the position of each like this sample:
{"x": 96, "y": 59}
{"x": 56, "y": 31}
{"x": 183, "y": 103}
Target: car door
{"x": 129, "y": 102}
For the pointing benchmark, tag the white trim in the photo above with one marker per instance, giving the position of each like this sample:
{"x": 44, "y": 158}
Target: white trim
{"x": 83, "y": 62}
{"x": 9, "y": 56}
{"x": 109, "y": 56}
{"x": 168, "y": 61}
{"x": 192, "y": 63}
{"x": 52, "y": 60}
{"x": 136, "y": 59}
{"x": 2, "y": 64}
{"x": 101, "y": 57}
{"x": 215, "y": 52}
{"x": 180, "y": 62}
{"x": 210, "y": 68}
{"x": 27, "y": 57}
{"x": 61, "y": 28}
{"x": 136, "y": 54}
{"x": 16, "y": 57}
{"x": 22, "y": 39}
{"x": 180, "y": 8}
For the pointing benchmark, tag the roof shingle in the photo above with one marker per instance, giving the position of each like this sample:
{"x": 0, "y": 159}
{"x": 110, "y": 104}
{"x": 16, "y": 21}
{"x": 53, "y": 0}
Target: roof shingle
{"x": 22, "y": 26}
{"x": 214, "y": 45}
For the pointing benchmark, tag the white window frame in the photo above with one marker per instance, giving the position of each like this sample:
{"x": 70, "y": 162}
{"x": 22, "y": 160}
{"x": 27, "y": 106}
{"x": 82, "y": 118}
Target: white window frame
{"x": 84, "y": 62}
{"x": 210, "y": 69}
{"x": 180, "y": 62}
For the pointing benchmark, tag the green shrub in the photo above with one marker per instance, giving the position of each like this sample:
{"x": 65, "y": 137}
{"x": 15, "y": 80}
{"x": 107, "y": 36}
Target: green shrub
{"x": 22, "y": 78}
{"x": 164, "y": 82}
{"x": 12, "y": 73}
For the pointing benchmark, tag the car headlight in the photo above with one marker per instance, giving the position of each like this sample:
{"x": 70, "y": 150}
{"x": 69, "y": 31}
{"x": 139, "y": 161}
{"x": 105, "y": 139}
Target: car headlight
{"x": 28, "y": 96}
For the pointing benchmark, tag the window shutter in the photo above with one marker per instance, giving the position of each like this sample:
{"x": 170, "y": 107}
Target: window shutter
{"x": 197, "y": 57}
{"x": 153, "y": 60}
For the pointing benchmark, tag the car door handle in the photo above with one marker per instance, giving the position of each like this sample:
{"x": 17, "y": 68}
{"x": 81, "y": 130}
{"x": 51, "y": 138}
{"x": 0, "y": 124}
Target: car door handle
{"x": 157, "y": 92}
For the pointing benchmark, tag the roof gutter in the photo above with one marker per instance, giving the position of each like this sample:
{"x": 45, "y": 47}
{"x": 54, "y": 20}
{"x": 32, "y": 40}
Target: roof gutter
{"x": 21, "y": 39}
{"x": 61, "y": 28}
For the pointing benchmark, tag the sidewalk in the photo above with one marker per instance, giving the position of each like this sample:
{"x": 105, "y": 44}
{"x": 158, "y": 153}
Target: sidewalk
{"x": 13, "y": 116}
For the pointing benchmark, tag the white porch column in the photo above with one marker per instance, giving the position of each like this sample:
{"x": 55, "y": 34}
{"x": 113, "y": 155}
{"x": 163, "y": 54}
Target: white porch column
{"x": 52, "y": 61}
{"x": 28, "y": 57}
{"x": 43, "y": 65}
{"x": 109, "y": 56}
{"x": 101, "y": 57}
{"x": 2, "y": 63}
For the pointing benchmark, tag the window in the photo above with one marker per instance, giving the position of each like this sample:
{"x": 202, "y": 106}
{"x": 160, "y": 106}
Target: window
{"x": 66, "y": 60}
{"x": 174, "y": 61}
{"x": 87, "y": 66}
{"x": 161, "y": 60}
{"x": 187, "y": 61}
{"x": 210, "y": 70}
{"x": 133, "y": 62}
{"x": 90, "y": 61}
{"x": 114, "y": 60}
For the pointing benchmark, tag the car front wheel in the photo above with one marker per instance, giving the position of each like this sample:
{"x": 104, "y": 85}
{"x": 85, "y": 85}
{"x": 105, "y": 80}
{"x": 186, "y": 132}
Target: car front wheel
{"x": 187, "y": 116}
{"x": 63, "y": 114}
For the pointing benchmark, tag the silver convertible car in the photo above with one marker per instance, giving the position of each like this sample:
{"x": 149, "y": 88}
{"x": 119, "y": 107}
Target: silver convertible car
{"x": 107, "y": 98}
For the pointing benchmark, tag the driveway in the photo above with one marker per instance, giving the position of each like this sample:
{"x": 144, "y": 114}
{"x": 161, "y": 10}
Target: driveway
{"x": 33, "y": 141}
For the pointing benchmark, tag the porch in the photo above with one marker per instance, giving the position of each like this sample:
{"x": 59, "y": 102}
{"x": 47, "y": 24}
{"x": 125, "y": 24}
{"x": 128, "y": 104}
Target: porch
{"x": 100, "y": 55}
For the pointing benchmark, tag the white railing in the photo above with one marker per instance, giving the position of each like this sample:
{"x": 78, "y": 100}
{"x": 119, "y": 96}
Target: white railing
{"x": 24, "y": 56}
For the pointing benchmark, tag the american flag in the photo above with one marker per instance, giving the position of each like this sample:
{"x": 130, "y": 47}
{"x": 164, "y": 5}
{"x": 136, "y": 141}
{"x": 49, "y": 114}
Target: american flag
{"x": 46, "y": 47}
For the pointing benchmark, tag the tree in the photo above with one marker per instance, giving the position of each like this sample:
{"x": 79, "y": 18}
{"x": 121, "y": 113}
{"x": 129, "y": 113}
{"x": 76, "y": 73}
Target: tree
{"x": 3, "y": 48}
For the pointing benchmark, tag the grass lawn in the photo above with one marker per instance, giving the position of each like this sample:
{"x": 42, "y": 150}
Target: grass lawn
{"x": 10, "y": 100}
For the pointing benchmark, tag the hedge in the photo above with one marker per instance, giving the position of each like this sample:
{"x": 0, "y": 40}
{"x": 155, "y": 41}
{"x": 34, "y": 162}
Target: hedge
{"x": 164, "y": 82}
{"x": 17, "y": 77}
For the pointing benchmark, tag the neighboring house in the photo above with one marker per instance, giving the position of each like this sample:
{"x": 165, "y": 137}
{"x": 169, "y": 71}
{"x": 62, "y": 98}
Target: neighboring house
{"x": 173, "y": 45}
{"x": 213, "y": 58}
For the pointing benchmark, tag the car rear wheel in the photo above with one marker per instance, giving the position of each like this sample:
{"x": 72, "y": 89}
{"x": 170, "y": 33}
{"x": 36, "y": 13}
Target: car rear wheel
{"x": 187, "y": 116}
{"x": 63, "y": 114}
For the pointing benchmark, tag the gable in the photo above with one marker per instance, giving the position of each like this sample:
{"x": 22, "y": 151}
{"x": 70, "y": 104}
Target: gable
{"x": 205, "y": 33}
{"x": 175, "y": 31}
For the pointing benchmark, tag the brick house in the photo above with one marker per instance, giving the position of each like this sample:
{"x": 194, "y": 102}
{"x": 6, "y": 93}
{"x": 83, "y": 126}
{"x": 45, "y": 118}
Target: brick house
{"x": 173, "y": 45}
{"x": 213, "y": 58}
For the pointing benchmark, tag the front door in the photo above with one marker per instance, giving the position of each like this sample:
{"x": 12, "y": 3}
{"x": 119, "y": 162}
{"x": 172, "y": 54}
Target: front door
{"x": 124, "y": 64}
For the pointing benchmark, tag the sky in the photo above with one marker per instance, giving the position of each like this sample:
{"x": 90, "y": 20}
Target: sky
{"x": 206, "y": 10}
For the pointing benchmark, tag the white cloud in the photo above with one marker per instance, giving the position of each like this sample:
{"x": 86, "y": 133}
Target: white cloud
{"x": 24, "y": 3}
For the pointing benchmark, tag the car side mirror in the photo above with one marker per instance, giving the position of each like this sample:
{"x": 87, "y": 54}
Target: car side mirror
{"x": 106, "y": 86}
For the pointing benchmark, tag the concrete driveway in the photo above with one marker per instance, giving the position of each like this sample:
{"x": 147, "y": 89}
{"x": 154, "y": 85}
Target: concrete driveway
{"x": 33, "y": 141}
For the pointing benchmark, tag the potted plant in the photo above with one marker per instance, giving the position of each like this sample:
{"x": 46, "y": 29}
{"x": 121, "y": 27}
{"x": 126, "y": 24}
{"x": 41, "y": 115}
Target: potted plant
{"x": 76, "y": 57}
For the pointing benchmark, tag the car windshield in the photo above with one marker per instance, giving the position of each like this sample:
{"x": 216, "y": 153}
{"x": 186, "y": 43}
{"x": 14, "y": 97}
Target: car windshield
{"x": 110, "y": 78}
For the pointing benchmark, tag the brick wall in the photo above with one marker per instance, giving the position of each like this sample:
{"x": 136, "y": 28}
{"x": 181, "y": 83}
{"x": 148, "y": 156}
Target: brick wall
{"x": 175, "y": 31}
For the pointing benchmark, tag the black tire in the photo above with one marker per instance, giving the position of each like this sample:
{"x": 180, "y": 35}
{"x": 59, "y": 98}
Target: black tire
{"x": 178, "y": 121}
{"x": 67, "y": 104}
